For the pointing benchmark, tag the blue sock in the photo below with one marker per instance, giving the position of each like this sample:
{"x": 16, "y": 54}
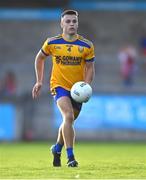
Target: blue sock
{"x": 58, "y": 147}
{"x": 69, "y": 152}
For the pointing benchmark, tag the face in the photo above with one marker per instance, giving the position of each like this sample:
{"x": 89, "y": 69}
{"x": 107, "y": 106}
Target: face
{"x": 69, "y": 24}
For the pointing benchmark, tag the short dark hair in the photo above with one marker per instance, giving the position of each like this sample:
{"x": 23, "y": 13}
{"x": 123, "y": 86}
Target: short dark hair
{"x": 69, "y": 12}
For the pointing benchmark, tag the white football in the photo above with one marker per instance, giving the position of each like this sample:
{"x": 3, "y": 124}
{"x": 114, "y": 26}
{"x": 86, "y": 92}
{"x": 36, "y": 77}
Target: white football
{"x": 81, "y": 92}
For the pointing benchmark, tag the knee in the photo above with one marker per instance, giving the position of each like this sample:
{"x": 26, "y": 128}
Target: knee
{"x": 69, "y": 117}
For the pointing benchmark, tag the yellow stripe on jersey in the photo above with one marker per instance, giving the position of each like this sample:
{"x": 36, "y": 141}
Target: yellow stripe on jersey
{"x": 69, "y": 58}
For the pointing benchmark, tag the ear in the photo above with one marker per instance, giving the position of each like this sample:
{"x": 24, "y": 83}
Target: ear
{"x": 61, "y": 23}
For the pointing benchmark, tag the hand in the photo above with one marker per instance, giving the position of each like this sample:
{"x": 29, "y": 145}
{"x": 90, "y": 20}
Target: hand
{"x": 36, "y": 90}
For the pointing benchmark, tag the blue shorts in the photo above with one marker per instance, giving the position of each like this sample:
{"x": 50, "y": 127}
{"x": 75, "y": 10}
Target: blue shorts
{"x": 59, "y": 92}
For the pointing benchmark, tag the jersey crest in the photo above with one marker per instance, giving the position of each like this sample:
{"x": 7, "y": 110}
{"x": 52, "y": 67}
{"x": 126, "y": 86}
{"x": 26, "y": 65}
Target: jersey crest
{"x": 80, "y": 49}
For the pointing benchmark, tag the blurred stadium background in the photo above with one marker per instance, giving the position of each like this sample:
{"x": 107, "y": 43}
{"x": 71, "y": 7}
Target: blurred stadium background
{"x": 117, "y": 110}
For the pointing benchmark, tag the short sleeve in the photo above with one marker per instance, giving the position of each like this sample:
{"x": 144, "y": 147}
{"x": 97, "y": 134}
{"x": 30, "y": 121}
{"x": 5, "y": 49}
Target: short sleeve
{"x": 91, "y": 55}
{"x": 46, "y": 48}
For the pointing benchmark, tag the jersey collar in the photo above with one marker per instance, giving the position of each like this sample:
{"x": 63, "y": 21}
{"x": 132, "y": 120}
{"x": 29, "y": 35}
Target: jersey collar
{"x": 70, "y": 40}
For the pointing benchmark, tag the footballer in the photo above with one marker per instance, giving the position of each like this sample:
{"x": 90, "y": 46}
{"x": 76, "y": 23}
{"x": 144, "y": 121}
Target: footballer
{"x": 73, "y": 60}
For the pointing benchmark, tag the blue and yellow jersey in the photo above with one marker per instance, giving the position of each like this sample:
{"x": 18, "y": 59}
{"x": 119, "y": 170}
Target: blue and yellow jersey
{"x": 69, "y": 58}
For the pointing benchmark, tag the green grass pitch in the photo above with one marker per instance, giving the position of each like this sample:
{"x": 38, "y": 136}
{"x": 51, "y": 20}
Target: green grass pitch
{"x": 96, "y": 160}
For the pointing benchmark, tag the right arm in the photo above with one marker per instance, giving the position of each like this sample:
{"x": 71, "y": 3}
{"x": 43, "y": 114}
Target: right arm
{"x": 39, "y": 71}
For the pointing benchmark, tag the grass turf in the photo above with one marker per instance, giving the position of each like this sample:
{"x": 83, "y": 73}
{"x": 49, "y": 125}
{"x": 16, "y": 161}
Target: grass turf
{"x": 96, "y": 160}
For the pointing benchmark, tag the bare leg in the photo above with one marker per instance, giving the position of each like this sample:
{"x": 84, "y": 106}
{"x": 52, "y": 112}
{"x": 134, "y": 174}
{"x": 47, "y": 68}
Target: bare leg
{"x": 67, "y": 130}
{"x": 60, "y": 135}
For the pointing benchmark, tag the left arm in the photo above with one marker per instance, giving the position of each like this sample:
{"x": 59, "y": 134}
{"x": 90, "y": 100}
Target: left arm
{"x": 89, "y": 72}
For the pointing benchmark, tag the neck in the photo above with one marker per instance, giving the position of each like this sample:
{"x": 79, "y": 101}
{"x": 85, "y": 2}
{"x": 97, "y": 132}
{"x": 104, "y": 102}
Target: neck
{"x": 69, "y": 37}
